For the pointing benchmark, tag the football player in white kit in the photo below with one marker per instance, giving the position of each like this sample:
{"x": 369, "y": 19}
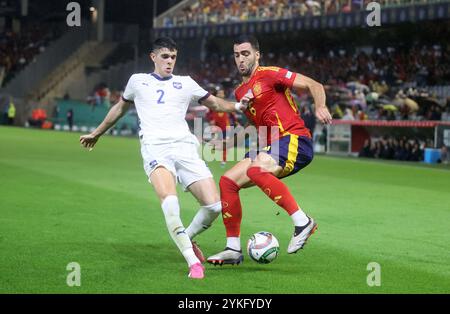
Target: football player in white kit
{"x": 169, "y": 150}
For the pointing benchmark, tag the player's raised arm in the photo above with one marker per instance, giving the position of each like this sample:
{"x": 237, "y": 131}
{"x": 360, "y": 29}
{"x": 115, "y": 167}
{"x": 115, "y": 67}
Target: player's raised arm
{"x": 114, "y": 114}
{"x": 222, "y": 105}
{"x": 317, "y": 91}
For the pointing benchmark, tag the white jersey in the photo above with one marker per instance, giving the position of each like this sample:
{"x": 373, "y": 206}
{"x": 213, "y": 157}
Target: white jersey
{"x": 161, "y": 104}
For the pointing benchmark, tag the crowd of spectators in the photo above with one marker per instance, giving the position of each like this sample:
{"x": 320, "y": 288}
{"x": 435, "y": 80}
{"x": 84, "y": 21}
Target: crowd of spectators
{"x": 413, "y": 104}
{"x": 20, "y": 47}
{"x": 101, "y": 96}
{"x": 359, "y": 84}
{"x": 391, "y": 148}
{"x": 426, "y": 65}
{"x": 228, "y": 11}
{"x": 422, "y": 65}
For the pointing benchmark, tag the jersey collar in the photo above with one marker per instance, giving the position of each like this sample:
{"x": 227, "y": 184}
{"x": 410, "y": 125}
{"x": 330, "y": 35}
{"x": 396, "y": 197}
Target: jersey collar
{"x": 159, "y": 78}
{"x": 252, "y": 76}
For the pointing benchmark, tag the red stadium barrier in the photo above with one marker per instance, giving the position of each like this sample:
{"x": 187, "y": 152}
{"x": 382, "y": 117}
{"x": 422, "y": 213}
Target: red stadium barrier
{"x": 347, "y": 137}
{"x": 381, "y": 123}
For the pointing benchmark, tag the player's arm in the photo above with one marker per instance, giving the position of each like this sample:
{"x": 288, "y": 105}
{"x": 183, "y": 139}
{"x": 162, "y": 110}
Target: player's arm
{"x": 222, "y": 105}
{"x": 301, "y": 83}
{"x": 114, "y": 114}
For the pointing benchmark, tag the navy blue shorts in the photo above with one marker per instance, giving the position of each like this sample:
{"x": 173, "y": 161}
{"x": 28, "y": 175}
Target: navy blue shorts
{"x": 291, "y": 152}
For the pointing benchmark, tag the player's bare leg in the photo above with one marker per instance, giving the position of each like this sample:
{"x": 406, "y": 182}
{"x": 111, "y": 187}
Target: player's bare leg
{"x": 206, "y": 193}
{"x": 164, "y": 184}
{"x": 224, "y": 154}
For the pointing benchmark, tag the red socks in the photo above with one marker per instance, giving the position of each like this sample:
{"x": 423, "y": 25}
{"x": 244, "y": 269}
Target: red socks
{"x": 231, "y": 206}
{"x": 224, "y": 154}
{"x": 231, "y": 203}
{"x": 273, "y": 188}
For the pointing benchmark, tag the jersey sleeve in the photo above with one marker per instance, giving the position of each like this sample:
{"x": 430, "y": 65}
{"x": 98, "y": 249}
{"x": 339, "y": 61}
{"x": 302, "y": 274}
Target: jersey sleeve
{"x": 129, "y": 93}
{"x": 198, "y": 94}
{"x": 283, "y": 77}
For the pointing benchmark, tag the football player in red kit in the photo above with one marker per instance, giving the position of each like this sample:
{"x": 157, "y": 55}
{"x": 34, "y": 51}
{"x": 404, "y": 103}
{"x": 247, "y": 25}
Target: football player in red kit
{"x": 222, "y": 120}
{"x": 289, "y": 146}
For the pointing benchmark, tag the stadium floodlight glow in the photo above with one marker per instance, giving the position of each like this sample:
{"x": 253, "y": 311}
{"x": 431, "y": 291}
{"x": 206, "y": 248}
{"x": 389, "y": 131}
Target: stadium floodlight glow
{"x": 92, "y": 9}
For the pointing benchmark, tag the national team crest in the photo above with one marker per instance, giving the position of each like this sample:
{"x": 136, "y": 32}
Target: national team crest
{"x": 257, "y": 89}
{"x": 152, "y": 164}
{"x": 177, "y": 85}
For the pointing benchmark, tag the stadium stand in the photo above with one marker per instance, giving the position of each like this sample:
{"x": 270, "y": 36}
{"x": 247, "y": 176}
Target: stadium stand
{"x": 426, "y": 65}
{"x": 398, "y": 72}
{"x": 21, "y": 46}
{"x": 389, "y": 83}
{"x": 204, "y": 12}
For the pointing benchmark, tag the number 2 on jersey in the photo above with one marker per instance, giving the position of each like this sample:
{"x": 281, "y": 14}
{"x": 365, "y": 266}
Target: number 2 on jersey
{"x": 160, "y": 99}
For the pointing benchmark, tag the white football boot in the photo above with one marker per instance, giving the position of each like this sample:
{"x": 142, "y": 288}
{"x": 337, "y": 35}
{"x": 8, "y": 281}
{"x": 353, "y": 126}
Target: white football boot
{"x": 301, "y": 235}
{"x": 228, "y": 256}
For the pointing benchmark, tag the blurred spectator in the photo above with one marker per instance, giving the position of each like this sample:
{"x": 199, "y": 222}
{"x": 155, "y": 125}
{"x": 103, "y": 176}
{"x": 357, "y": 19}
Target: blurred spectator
{"x": 434, "y": 113}
{"x": 220, "y": 121}
{"x": 390, "y": 115}
{"x": 348, "y": 115}
{"x": 367, "y": 150}
{"x": 38, "y": 116}
{"x": 323, "y": 138}
{"x": 309, "y": 118}
{"x": 361, "y": 115}
{"x": 102, "y": 95}
{"x": 445, "y": 156}
{"x": 416, "y": 153}
{"x": 393, "y": 149}
{"x": 11, "y": 112}
{"x": 69, "y": 116}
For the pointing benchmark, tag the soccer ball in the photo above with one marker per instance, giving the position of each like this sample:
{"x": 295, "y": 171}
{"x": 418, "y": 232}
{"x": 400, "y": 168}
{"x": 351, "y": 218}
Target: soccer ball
{"x": 263, "y": 247}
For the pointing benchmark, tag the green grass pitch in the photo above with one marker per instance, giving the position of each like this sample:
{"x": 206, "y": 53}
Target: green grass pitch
{"x": 60, "y": 203}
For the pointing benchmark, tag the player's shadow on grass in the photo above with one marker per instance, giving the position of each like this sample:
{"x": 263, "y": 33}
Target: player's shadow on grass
{"x": 147, "y": 250}
{"x": 139, "y": 254}
{"x": 248, "y": 267}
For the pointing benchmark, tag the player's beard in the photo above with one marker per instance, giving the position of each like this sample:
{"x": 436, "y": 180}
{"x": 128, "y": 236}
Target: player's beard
{"x": 249, "y": 70}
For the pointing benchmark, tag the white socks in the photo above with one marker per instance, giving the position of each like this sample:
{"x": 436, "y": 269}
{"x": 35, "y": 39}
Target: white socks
{"x": 203, "y": 219}
{"x": 234, "y": 243}
{"x": 299, "y": 218}
{"x": 171, "y": 210}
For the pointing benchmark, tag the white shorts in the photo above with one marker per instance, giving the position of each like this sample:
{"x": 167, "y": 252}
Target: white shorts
{"x": 180, "y": 158}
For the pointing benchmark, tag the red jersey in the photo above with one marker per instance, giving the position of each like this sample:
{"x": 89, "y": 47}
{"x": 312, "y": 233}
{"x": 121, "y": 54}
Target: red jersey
{"x": 221, "y": 119}
{"x": 273, "y": 105}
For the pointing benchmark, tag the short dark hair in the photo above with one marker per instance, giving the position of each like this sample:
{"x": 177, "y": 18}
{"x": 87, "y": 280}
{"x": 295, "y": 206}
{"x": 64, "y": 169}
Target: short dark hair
{"x": 164, "y": 42}
{"x": 244, "y": 38}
